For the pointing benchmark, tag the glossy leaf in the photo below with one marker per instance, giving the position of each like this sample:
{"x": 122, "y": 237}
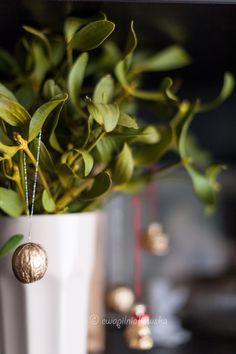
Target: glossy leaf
{"x": 12, "y": 112}
{"x": 73, "y": 24}
{"x": 42, "y": 113}
{"x": 51, "y": 89}
{"x": 202, "y": 186}
{"x": 9, "y": 151}
{"x": 173, "y": 57}
{"x": 92, "y": 35}
{"x": 52, "y": 137}
{"x": 45, "y": 160}
{"x": 10, "y": 202}
{"x": 149, "y": 154}
{"x": 88, "y": 161}
{"x": 166, "y": 87}
{"x": 127, "y": 121}
{"x": 104, "y": 90}
{"x": 226, "y": 91}
{"x": 100, "y": 187}
{"x": 123, "y": 66}
{"x": 76, "y": 77}
{"x": 11, "y": 244}
{"x": 106, "y": 115}
{"x": 48, "y": 202}
{"x": 185, "y": 124}
{"x": 124, "y": 165}
{"x": 150, "y": 135}
{"x": 41, "y": 36}
{"x": 65, "y": 176}
{"x": 107, "y": 148}
{"x": 7, "y": 93}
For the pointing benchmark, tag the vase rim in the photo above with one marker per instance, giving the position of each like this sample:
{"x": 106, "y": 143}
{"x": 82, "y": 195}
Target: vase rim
{"x": 66, "y": 215}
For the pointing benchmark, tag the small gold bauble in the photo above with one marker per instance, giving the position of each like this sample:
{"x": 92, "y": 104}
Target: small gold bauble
{"x": 29, "y": 262}
{"x": 155, "y": 240}
{"x": 120, "y": 299}
{"x": 138, "y": 332}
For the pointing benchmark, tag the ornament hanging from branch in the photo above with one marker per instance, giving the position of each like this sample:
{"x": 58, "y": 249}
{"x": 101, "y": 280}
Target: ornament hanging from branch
{"x": 29, "y": 261}
{"x": 154, "y": 239}
{"x": 138, "y": 333}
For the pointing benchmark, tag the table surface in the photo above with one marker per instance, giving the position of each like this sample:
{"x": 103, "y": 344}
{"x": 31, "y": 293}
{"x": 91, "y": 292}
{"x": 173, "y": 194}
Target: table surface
{"x": 116, "y": 344}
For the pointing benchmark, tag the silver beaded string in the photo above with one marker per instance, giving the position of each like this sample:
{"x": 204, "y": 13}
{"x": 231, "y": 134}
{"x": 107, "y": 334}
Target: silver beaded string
{"x": 30, "y": 213}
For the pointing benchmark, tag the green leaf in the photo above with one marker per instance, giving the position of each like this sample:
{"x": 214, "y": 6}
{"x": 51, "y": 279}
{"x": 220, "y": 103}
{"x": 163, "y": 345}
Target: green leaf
{"x": 149, "y": 154}
{"x": 53, "y": 141}
{"x": 212, "y": 173}
{"x": 127, "y": 121}
{"x": 124, "y": 165}
{"x": 48, "y": 202}
{"x": 9, "y": 151}
{"x": 73, "y": 24}
{"x": 41, "y": 65}
{"x": 150, "y": 135}
{"x": 101, "y": 186}
{"x": 202, "y": 185}
{"x": 8, "y": 64}
{"x": 12, "y": 112}
{"x": 7, "y": 93}
{"x": 185, "y": 124}
{"x": 11, "y": 244}
{"x": 65, "y": 176}
{"x": 42, "y": 113}
{"x": 26, "y": 96}
{"x": 45, "y": 160}
{"x": 51, "y": 89}
{"x": 122, "y": 68}
{"x": 132, "y": 41}
{"x": 10, "y": 202}
{"x": 76, "y": 77}
{"x": 104, "y": 90}
{"x": 173, "y": 57}
{"x": 106, "y": 148}
{"x": 106, "y": 115}
{"x": 3, "y": 135}
{"x": 166, "y": 85}
{"x": 38, "y": 34}
{"x": 92, "y": 35}
{"x": 88, "y": 161}
{"x": 226, "y": 91}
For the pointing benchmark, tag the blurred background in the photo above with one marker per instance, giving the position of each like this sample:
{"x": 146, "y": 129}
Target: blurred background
{"x": 193, "y": 285}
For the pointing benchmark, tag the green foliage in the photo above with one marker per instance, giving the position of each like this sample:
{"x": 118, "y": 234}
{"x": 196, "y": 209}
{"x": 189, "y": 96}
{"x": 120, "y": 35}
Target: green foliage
{"x": 10, "y": 245}
{"x": 94, "y": 142}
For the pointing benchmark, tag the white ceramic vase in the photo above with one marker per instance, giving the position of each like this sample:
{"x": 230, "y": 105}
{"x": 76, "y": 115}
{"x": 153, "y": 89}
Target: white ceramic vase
{"x": 50, "y": 316}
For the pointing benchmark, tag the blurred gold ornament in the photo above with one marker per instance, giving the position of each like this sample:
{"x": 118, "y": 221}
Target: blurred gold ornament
{"x": 120, "y": 299}
{"x": 138, "y": 332}
{"x": 155, "y": 240}
{"x": 29, "y": 262}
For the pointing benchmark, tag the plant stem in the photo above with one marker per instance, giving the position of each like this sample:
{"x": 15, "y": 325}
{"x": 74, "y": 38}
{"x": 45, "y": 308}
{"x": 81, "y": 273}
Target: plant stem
{"x": 41, "y": 175}
{"x": 90, "y": 148}
{"x": 69, "y": 56}
{"x": 71, "y": 194}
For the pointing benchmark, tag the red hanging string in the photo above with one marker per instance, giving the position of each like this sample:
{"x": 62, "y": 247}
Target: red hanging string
{"x": 136, "y": 204}
{"x": 152, "y": 201}
{"x": 152, "y": 196}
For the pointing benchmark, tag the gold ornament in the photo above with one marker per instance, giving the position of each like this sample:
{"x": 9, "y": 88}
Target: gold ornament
{"x": 155, "y": 240}
{"x": 120, "y": 299}
{"x": 29, "y": 262}
{"x": 138, "y": 332}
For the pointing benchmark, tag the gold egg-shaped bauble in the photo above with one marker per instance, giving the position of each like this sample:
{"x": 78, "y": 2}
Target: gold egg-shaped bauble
{"x": 120, "y": 299}
{"x": 154, "y": 240}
